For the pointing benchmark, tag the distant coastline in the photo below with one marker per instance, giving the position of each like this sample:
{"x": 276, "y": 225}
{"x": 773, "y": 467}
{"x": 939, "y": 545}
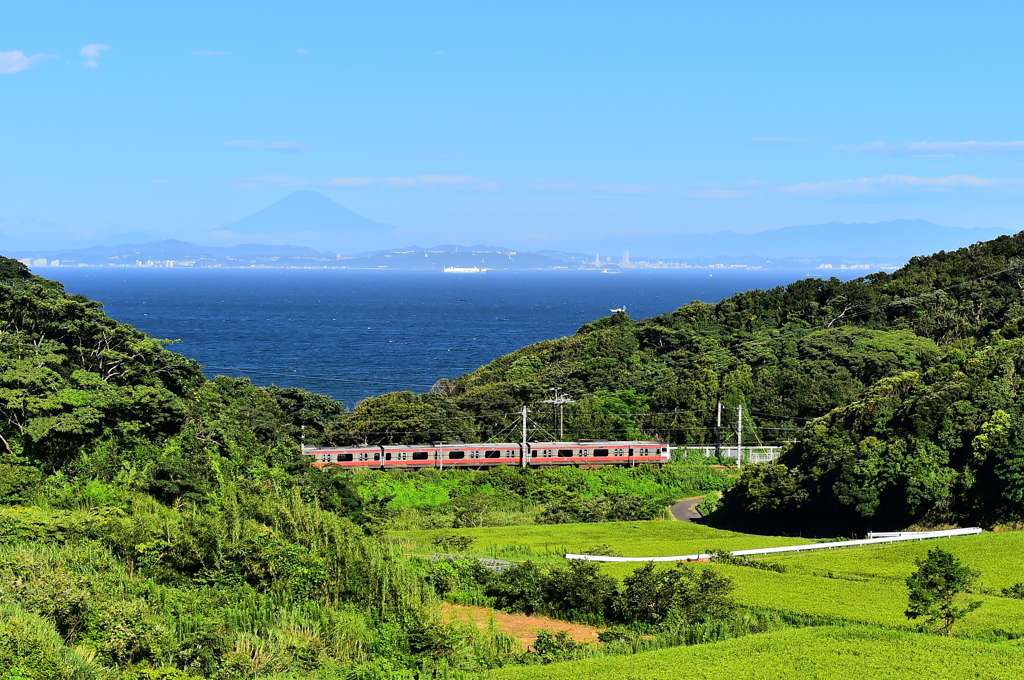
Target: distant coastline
{"x": 184, "y": 255}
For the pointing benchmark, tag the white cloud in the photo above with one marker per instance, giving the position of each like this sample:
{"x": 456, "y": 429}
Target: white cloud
{"x": 777, "y": 141}
{"x": 15, "y": 61}
{"x": 970, "y": 148}
{"x": 406, "y": 182}
{"x": 353, "y": 181}
{"x": 92, "y": 53}
{"x": 301, "y": 51}
{"x": 449, "y": 179}
{"x": 571, "y": 187}
{"x": 717, "y": 193}
{"x": 877, "y": 185}
{"x": 209, "y": 53}
{"x": 269, "y": 146}
{"x": 278, "y": 180}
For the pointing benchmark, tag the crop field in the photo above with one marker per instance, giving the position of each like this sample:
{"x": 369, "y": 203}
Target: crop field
{"x": 863, "y": 585}
{"x": 867, "y": 585}
{"x": 996, "y": 556}
{"x": 546, "y": 542}
{"x": 873, "y": 602}
{"x": 828, "y": 652}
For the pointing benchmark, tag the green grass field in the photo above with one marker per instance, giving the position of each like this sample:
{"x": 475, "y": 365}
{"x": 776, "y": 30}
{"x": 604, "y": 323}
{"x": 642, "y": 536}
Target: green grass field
{"x": 854, "y": 652}
{"x": 866, "y": 584}
{"x": 546, "y": 542}
{"x": 996, "y": 556}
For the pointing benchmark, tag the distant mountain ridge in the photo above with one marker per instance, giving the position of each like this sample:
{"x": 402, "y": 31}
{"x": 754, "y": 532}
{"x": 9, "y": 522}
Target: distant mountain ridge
{"x": 308, "y": 219}
{"x": 896, "y": 240}
{"x": 305, "y": 215}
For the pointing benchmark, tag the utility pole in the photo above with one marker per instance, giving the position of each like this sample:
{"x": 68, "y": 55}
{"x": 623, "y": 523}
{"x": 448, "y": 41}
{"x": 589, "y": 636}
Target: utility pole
{"x": 718, "y": 434}
{"x": 525, "y": 411}
{"x": 739, "y": 437}
{"x": 559, "y": 401}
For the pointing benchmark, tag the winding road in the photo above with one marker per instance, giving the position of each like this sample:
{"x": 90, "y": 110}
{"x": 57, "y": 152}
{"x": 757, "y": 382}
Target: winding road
{"x": 683, "y": 510}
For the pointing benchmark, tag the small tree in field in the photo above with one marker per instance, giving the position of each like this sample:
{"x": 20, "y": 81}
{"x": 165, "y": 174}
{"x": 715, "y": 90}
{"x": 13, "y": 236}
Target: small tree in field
{"x": 934, "y": 587}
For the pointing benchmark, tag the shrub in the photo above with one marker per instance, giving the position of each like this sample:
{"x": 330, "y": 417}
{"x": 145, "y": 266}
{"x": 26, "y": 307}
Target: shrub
{"x": 520, "y": 588}
{"x": 557, "y": 647}
{"x": 677, "y": 596}
{"x": 31, "y": 648}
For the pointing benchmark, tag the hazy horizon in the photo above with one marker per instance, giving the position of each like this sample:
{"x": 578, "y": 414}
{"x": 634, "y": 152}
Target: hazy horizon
{"x": 528, "y": 126}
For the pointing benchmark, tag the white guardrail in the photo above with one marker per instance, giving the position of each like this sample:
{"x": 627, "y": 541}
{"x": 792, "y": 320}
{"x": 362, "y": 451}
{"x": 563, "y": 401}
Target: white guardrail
{"x": 878, "y": 537}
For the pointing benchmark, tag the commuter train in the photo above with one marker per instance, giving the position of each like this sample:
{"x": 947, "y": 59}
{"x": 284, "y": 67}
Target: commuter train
{"x": 450, "y": 454}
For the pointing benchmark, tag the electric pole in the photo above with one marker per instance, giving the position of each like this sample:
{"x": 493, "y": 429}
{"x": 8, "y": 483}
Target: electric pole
{"x": 739, "y": 437}
{"x": 525, "y": 411}
{"x": 559, "y": 401}
{"x": 718, "y": 434}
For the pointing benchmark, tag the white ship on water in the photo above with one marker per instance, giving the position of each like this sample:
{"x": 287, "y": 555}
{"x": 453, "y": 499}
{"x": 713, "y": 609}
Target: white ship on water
{"x": 463, "y": 270}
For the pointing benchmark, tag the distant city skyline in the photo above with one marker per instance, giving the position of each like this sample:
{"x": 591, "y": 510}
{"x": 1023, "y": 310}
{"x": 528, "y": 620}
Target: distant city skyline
{"x": 524, "y": 125}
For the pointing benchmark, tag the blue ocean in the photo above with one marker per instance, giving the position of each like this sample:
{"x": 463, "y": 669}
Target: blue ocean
{"x": 357, "y": 333}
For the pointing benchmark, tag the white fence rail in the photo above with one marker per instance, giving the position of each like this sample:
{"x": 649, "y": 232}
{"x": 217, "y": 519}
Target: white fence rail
{"x": 905, "y": 536}
{"x": 751, "y": 454}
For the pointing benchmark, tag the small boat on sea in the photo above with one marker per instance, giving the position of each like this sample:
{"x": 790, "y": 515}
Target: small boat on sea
{"x": 463, "y": 270}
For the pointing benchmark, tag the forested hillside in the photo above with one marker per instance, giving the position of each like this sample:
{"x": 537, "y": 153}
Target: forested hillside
{"x": 155, "y": 524}
{"x": 898, "y": 391}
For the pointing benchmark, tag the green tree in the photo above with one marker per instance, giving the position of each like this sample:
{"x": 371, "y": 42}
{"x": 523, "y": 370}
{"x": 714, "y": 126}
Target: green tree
{"x": 521, "y": 588}
{"x": 934, "y": 590}
{"x": 675, "y": 596}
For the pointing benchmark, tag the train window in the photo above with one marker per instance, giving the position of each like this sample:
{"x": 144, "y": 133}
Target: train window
{"x": 419, "y": 455}
{"x": 600, "y": 452}
{"x": 565, "y": 453}
{"x": 492, "y": 454}
{"x": 376, "y": 456}
{"x": 456, "y": 455}
{"x": 533, "y": 454}
{"x": 387, "y": 456}
{"x": 344, "y": 457}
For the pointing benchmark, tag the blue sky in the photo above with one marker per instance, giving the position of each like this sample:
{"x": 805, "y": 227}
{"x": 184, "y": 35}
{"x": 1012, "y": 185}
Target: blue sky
{"x": 510, "y": 123}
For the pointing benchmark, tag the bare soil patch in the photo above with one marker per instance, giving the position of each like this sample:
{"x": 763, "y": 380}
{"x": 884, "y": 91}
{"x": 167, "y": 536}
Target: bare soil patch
{"x": 520, "y": 626}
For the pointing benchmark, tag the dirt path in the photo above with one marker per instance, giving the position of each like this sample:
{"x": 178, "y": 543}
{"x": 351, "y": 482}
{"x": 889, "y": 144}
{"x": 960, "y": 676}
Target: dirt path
{"x": 683, "y": 510}
{"x": 520, "y": 626}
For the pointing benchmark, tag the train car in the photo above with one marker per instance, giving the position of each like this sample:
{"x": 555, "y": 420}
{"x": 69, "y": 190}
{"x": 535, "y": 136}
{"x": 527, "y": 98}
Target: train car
{"x": 445, "y": 454}
{"x": 449, "y": 454}
{"x": 349, "y": 456}
{"x": 598, "y": 452}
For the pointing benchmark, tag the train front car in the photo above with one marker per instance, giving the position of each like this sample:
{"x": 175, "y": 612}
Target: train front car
{"x": 650, "y": 452}
{"x": 346, "y": 456}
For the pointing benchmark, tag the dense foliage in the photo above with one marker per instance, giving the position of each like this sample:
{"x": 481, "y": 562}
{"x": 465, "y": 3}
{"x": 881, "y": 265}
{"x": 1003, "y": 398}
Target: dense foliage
{"x": 430, "y": 498}
{"x": 649, "y": 599}
{"x": 160, "y": 525}
{"x": 899, "y": 393}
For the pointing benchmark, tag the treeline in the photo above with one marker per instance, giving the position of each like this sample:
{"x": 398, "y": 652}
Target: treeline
{"x": 897, "y": 394}
{"x": 156, "y": 524}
